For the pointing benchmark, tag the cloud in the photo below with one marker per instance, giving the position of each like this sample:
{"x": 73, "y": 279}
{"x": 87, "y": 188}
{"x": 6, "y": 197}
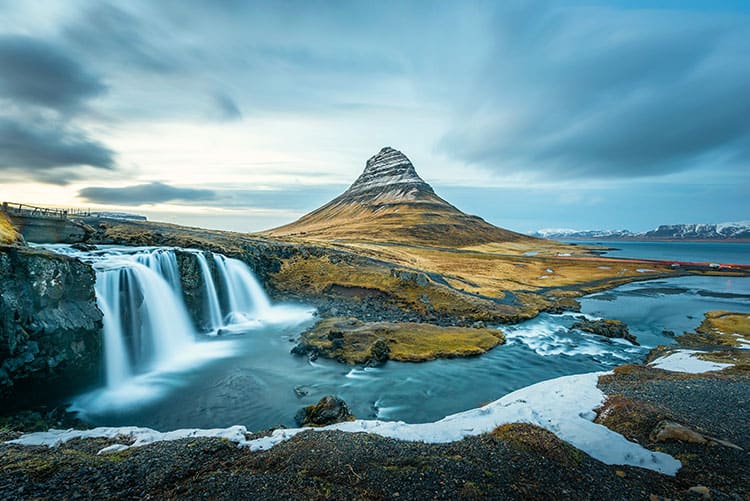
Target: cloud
{"x": 119, "y": 37}
{"x": 39, "y": 73}
{"x": 47, "y": 152}
{"x": 144, "y": 194}
{"x": 228, "y": 109}
{"x": 603, "y": 93}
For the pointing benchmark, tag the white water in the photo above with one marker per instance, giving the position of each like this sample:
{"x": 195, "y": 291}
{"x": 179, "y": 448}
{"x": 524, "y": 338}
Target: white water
{"x": 148, "y": 331}
{"x": 247, "y": 299}
{"x": 148, "y": 324}
{"x": 212, "y": 298}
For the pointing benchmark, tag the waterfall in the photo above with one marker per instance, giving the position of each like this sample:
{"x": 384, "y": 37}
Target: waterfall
{"x": 146, "y": 323}
{"x": 163, "y": 262}
{"x": 215, "y": 318}
{"x": 245, "y": 297}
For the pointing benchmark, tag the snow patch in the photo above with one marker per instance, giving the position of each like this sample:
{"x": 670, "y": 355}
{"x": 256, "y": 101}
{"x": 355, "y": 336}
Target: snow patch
{"x": 686, "y": 361}
{"x": 564, "y": 406}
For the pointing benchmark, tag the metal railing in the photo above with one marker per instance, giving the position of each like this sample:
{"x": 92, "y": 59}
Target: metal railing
{"x": 26, "y": 210}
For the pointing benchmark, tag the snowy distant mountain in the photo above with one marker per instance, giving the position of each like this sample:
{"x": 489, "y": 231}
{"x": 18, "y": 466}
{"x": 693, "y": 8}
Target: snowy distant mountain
{"x": 723, "y": 231}
{"x": 558, "y": 233}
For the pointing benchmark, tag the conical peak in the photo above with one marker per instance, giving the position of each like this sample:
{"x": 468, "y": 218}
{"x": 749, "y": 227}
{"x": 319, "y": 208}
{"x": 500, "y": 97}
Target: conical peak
{"x": 388, "y": 173}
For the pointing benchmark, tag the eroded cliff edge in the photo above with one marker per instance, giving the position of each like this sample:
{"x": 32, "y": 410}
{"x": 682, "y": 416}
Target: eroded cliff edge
{"x": 50, "y": 326}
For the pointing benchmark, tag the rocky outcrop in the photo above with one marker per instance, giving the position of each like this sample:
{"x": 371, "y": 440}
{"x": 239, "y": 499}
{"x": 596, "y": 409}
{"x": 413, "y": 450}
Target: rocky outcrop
{"x": 388, "y": 175}
{"x": 50, "y": 326}
{"x": 605, "y": 328}
{"x": 330, "y": 410}
{"x": 194, "y": 287}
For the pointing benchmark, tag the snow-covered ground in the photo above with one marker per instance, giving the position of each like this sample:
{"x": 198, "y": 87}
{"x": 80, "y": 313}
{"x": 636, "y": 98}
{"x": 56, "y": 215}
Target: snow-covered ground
{"x": 565, "y": 406}
{"x": 687, "y": 361}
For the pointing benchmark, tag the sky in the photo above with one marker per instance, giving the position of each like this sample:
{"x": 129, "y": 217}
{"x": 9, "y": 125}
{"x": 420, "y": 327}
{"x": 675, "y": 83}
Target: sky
{"x": 245, "y": 115}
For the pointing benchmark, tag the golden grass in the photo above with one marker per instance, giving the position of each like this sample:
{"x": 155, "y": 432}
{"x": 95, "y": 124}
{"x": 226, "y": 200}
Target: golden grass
{"x": 318, "y": 275}
{"x": 8, "y": 233}
{"x": 720, "y": 328}
{"x": 490, "y": 274}
{"x": 426, "y": 220}
{"x": 406, "y": 342}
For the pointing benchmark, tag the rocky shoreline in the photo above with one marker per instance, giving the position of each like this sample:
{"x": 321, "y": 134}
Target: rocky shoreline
{"x": 697, "y": 418}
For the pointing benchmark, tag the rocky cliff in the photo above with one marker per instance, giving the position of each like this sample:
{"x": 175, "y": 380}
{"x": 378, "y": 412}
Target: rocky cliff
{"x": 50, "y": 326}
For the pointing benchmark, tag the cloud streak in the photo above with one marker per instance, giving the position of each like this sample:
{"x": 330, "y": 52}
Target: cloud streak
{"x": 596, "y": 93}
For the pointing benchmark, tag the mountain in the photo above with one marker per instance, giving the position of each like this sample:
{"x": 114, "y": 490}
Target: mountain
{"x": 557, "y": 233}
{"x": 389, "y": 202}
{"x": 722, "y": 231}
{"x": 563, "y": 233}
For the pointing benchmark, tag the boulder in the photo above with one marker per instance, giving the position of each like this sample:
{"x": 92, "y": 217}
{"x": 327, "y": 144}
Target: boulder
{"x": 667, "y": 431}
{"x": 329, "y": 410}
{"x": 606, "y": 328}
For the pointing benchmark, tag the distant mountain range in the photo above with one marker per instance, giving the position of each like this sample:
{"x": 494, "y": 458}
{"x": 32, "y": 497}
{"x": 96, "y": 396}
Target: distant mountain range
{"x": 722, "y": 231}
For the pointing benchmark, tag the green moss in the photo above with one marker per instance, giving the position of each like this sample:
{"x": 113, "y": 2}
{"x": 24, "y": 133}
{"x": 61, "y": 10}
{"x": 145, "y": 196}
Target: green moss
{"x": 356, "y": 342}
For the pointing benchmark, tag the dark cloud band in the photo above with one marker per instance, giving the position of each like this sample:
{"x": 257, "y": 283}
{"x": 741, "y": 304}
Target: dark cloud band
{"x": 144, "y": 194}
{"x": 39, "y": 73}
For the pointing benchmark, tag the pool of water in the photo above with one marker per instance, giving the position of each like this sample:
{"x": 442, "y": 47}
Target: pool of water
{"x": 703, "y": 252}
{"x": 258, "y": 383}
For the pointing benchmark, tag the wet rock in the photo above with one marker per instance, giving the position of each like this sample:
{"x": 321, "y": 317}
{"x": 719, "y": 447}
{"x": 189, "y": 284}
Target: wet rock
{"x": 606, "y": 328}
{"x": 380, "y": 352}
{"x": 301, "y": 391}
{"x": 329, "y": 410}
{"x": 84, "y": 247}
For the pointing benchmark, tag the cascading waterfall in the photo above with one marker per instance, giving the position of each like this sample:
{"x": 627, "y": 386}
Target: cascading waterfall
{"x": 146, "y": 322}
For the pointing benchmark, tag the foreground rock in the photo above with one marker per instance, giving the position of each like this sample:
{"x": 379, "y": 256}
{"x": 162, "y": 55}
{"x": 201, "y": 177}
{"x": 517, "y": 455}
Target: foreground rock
{"x": 700, "y": 419}
{"x": 518, "y": 461}
{"x": 330, "y": 410}
{"x": 607, "y": 328}
{"x": 355, "y": 342}
{"x": 50, "y": 342}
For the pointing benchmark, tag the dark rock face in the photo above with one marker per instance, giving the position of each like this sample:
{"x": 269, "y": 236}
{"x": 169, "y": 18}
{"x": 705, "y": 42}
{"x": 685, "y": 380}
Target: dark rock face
{"x": 606, "y": 328}
{"x": 330, "y": 410}
{"x": 388, "y": 173}
{"x": 50, "y": 326}
{"x": 194, "y": 286}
